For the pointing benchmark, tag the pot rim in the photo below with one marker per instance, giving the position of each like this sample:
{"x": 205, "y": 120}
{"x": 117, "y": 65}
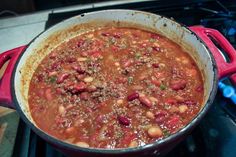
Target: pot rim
{"x": 156, "y": 144}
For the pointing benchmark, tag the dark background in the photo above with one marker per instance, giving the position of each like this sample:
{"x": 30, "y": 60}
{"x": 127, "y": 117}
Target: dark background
{"x": 17, "y": 7}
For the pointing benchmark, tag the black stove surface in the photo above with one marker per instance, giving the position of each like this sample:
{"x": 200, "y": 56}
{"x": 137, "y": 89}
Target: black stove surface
{"x": 216, "y": 134}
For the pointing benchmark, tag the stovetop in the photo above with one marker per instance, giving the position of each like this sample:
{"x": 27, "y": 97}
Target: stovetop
{"x": 216, "y": 134}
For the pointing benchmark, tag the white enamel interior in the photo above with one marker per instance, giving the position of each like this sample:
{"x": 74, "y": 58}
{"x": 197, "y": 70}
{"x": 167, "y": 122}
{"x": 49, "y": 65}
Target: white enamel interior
{"x": 37, "y": 51}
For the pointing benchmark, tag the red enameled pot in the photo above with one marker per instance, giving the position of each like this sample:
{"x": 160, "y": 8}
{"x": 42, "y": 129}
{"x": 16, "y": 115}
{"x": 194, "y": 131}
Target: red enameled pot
{"x": 196, "y": 40}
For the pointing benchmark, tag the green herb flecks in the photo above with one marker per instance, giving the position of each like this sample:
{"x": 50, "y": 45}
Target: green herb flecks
{"x": 52, "y": 79}
{"x": 137, "y": 55}
{"x": 162, "y": 87}
{"x": 166, "y": 132}
{"x": 130, "y": 80}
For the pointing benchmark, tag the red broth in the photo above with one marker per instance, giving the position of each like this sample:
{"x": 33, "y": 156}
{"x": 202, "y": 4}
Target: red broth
{"x": 115, "y": 88}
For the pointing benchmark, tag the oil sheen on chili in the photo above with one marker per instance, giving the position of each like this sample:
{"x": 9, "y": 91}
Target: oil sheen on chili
{"x": 115, "y": 87}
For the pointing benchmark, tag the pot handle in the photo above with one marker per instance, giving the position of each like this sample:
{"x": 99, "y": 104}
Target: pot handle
{"x": 224, "y": 68}
{"x": 5, "y": 81}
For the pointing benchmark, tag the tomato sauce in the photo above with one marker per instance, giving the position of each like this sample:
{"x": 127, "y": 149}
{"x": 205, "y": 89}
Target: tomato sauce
{"x": 115, "y": 88}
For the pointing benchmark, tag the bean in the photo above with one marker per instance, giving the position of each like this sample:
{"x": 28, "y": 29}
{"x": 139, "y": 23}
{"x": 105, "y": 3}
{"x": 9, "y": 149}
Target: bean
{"x": 156, "y": 48}
{"x": 155, "y": 65}
{"x": 70, "y": 130}
{"x": 79, "y": 69}
{"x": 61, "y": 109}
{"x": 150, "y": 115}
{"x": 161, "y": 116}
{"x": 174, "y": 109}
{"x": 123, "y": 120}
{"x": 70, "y": 59}
{"x": 80, "y": 87}
{"x": 81, "y": 59}
{"x": 82, "y": 144}
{"x": 133, "y": 96}
{"x": 88, "y": 79}
{"x": 179, "y": 99}
{"x": 154, "y": 132}
{"x": 145, "y": 101}
{"x": 156, "y": 82}
{"x": 174, "y": 121}
{"x": 178, "y": 84}
{"x": 120, "y": 101}
{"x": 183, "y": 108}
{"x": 133, "y": 144}
{"x": 117, "y": 64}
{"x": 62, "y": 77}
{"x": 153, "y": 99}
{"x": 91, "y": 88}
{"x": 48, "y": 94}
{"x": 52, "y": 73}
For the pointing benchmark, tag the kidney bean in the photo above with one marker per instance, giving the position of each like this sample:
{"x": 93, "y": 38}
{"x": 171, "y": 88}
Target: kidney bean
{"x": 62, "y": 77}
{"x": 48, "y": 94}
{"x": 123, "y": 120}
{"x": 156, "y": 82}
{"x": 79, "y": 69}
{"x": 133, "y": 96}
{"x": 161, "y": 116}
{"x": 70, "y": 59}
{"x": 174, "y": 121}
{"x": 145, "y": 101}
{"x": 155, "y": 65}
{"x": 156, "y": 48}
{"x": 171, "y": 101}
{"x": 80, "y": 87}
{"x": 178, "y": 84}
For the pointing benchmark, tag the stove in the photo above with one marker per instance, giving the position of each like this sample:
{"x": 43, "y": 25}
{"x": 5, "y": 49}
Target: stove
{"x": 216, "y": 134}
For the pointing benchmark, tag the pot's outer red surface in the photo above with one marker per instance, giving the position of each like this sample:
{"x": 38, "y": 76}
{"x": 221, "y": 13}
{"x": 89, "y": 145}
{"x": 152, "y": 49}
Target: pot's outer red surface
{"x": 158, "y": 148}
